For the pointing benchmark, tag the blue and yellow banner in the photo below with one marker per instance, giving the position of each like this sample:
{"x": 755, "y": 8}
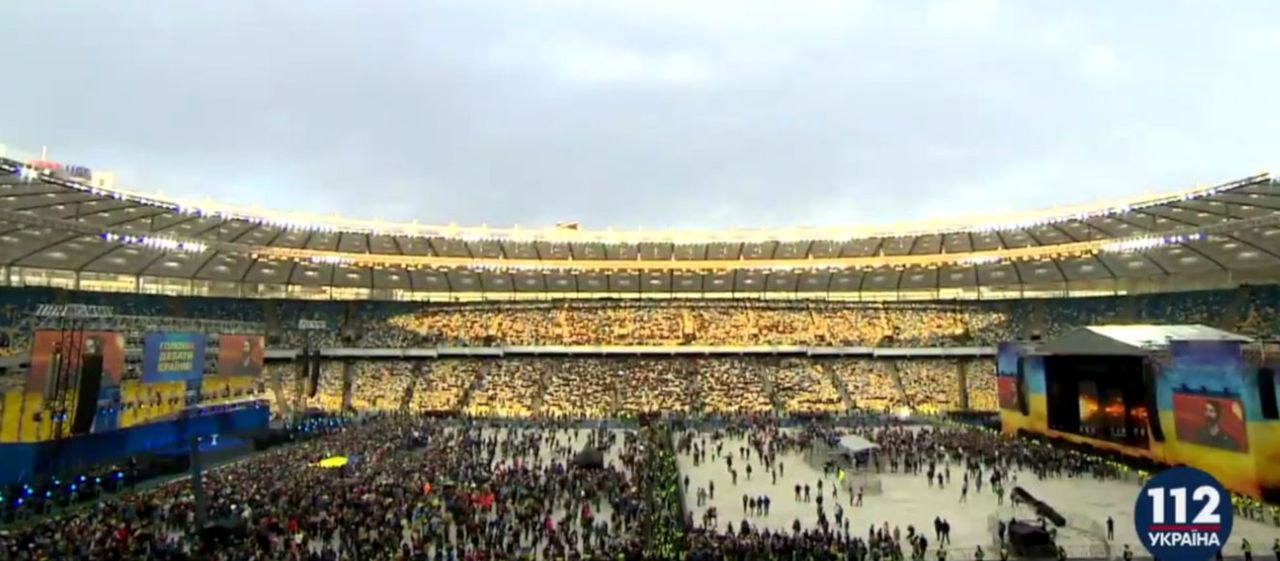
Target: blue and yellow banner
{"x": 172, "y": 357}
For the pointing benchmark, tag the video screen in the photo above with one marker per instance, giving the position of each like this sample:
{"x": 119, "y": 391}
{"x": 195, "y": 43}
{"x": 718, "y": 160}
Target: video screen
{"x": 1213, "y": 421}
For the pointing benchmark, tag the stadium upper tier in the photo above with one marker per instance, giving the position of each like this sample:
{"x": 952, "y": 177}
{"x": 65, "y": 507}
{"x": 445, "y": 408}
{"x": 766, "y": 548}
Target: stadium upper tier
{"x": 55, "y": 224}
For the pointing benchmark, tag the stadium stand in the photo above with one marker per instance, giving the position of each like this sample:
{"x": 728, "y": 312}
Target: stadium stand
{"x": 720, "y": 329}
{"x": 950, "y": 324}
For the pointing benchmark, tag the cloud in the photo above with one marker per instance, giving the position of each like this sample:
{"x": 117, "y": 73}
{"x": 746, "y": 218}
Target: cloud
{"x": 1098, "y": 62}
{"x": 964, "y": 14}
{"x": 653, "y": 113}
{"x": 593, "y": 63}
{"x": 1266, "y": 39}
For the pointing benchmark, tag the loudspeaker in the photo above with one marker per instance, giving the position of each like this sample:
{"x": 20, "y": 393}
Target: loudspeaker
{"x": 87, "y": 398}
{"x": 1153, "y": 402}
{"x": 1267, "y": 393}
{"x": 314, "y": 381}
{"x": 1023, "y": 406}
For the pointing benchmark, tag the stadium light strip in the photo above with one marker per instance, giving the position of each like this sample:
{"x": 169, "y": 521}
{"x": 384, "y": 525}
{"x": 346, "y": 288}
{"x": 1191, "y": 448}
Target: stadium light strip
{"x": 163, "y": 243}
{"x": 1143, "y": 244}
{"x": 337, "y": 224}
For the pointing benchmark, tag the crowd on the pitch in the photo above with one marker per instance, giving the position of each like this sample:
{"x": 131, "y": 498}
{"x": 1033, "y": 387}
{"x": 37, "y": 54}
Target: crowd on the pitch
{"x": 414, "y": 488}
{"x": 430, "y": 488}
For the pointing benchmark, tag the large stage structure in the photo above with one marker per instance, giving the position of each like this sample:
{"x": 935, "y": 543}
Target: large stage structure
{"x": 1171, "y": 395}
{"x": 100, "y": 387}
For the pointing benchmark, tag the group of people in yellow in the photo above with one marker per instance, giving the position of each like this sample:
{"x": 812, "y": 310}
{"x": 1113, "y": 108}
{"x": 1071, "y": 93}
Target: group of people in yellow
{"x": 599, "y": 387}
{"x": 710, "y": 323}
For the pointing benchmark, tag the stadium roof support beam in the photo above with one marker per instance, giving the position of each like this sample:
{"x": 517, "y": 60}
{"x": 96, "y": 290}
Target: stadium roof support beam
{"x": 150, "y": 262}
{"x": 52, "y": 203}
{"x": 1092, "y": 229}
{"x": 177, "y": 223}
{"x": 1190, "y": 247}
{"x": 41, "y": 248}
{"x": 1154, "y": 262}
{"x": 1061, "y": 273}
{"x": 86, "y": 213}
{"x": 1231, "y": 198}
{"x": 1208, "y": 210}
{"x": 203, "y": 263}
{"x": 1103, "y": 262}
{"x": 1258, "y": 247}
{"x": 1004, "y": 244}
{"x": 1064, "y": 232}
{"x": 236, "y": 238}
{"x": 1121, "y": 219}
{"x": 1031, "y": 234}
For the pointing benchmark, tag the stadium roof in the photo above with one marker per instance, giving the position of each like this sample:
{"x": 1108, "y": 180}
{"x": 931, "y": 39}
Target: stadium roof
{"x": 51, "y": 221}
{"x": 1135, "y": 340}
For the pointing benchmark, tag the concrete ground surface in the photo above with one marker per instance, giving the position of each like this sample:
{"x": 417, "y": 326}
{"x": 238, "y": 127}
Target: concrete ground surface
{"x": 908, "y": 500}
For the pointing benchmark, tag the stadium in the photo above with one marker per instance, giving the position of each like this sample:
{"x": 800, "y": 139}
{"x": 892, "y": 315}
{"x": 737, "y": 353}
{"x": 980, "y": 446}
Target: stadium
{"x": 144, "y": 337}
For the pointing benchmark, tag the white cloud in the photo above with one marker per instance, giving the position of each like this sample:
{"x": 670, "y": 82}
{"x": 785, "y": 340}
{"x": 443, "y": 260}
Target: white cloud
{"x": 580, "y": 62}
{"x": 1268, "y": 39}
{"x": 708, "y": 113}
{"x": 960, "y": 13}
{"x": 598, "y": 64}
{"x": 1097, "y": 62}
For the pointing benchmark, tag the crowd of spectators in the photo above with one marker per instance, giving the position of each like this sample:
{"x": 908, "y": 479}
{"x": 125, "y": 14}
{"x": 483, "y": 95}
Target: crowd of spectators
{"x": 732, "y": 385}
{"x": 655, "y": 385}
{"x": 801, "y": 386}
{"x": 605, "y": 387}
{"x": 978, "y": 384}
{"x": 413, "y": 488}
{"x": 508, "y": 388}
{"x": 869, "y": 383}
{"x": 444, "y": 384}
{"x": 929, "y": 386}
{"x": 706, "y": 323}
{"x": 364, "y": 324}
{"x": 581, "y": 387}
{"x": 592, "y": 387}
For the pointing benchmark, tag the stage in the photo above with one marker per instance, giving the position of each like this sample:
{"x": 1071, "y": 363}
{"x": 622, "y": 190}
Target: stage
{"x": 1163, "y": 395}
{"x": 27, "y": 462}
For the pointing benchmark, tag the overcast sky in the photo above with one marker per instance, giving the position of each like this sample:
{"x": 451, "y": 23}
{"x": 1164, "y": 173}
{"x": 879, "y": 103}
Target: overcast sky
{"x": 647, "y": 113}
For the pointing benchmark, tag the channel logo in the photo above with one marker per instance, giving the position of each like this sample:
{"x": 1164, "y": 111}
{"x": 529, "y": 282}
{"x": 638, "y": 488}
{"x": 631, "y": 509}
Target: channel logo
{"x": 1183, "y": 514}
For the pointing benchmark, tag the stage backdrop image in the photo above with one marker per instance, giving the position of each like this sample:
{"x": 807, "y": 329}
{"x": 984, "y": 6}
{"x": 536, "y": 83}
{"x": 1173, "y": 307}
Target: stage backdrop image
{"x": 240, "y": 355}
{"x": 1206, "y": 398}
{"x": 172, "y": 357}
{"x": 1208, "y": 420}
{"x": 1266, "y": 434}
{"x": 52, "y": 352}
{"x": 1007, "y": 375}
{"x": 1023, "y": 399}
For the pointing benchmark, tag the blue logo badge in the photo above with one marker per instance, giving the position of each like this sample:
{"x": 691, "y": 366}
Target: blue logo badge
{"x": 1183, "y": 514}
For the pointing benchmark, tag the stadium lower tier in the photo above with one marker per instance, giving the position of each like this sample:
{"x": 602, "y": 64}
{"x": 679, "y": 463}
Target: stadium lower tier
{"x": 613, "y": 387}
